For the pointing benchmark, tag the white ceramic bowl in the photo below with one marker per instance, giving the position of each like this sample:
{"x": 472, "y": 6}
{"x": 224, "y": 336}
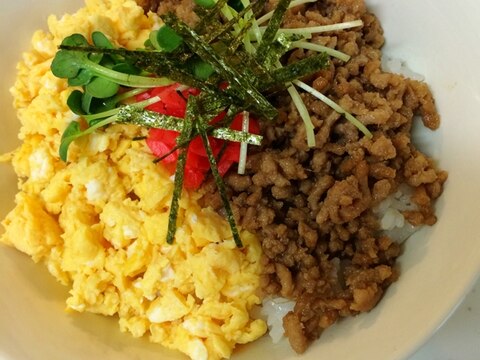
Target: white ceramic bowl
{"x": 437, "y": 38}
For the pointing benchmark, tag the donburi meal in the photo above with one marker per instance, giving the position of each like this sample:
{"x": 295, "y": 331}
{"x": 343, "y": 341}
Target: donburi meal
{"x": 186, "y": 163}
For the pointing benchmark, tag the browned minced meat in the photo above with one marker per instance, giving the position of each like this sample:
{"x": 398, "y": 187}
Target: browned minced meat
{"x": 312, "y": 207}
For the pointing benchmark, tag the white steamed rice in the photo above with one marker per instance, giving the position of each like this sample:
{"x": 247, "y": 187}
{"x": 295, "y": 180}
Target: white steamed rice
{"x": 273, "y": 310}
{"x": 389, "y": 212}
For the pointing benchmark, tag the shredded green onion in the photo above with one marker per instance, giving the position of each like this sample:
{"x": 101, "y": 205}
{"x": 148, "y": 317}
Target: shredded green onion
{"x": 255, "y": 24}
{"x": 321, "y": 48}
{"x": 303, "y": 111}
{"x": 335, "y": 107}
{"x": 319, "y": 29}
{"x": 294, "y": 3}
{"x": 242, "y": 160}
{"x": 229, "y": 14}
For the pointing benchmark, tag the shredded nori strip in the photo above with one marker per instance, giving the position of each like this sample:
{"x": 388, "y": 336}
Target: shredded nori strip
{"x": 185, "y": 135}
{"x": 201, "y": 128}
{"x": 243, "y": 86}
{"x": 212, "y": 105}
{"x": 278, "y": 48}
{"x": 232, "y": 111}
{"x": 237, "y": 136}
{"x": 177, "y": 191}
{"x": 249, "y": 63}
{"x": 208, "y": 15}
{"x": 223, "y": 29}
{"x": 272, "y": 28}
{"x": 131, "y": 114}
{"x": 296, "y": 70}
{"x": 238, "y": 40}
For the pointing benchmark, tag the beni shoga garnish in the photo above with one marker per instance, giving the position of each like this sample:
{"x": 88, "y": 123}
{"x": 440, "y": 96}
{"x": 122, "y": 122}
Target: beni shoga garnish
{"x": 201, "y": 91}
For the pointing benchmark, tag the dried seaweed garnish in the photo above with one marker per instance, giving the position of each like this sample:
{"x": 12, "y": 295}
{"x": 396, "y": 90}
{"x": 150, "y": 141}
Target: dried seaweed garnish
{"x": 180, "y": 171}
{"x": 239, "y": 83}
{"x": 272, "y": 29}
{"x": 202, "y": 129}
{"x": 238, "y": 40}
{"x": 218, "y": 31}
{"x": 296, "y": 70}
{"x": 132, "y": 114}
{"x": 208, "y": 16}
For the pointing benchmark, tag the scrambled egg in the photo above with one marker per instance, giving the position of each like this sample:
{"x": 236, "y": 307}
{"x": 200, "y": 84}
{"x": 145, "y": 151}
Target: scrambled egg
{"x": 99, "y": 221}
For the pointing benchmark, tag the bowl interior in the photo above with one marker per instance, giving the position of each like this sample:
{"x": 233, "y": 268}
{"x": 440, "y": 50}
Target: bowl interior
{"x": 439, "y": 264}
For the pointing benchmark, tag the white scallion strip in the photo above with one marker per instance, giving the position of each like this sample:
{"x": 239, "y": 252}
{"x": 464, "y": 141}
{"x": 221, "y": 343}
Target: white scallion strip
{"x": 230, "y": 13}
{"x": 319, "y": 29}
{"x": 255, "y": 28}
{"x": 246, "y": 39}
{"x": 321, "y": 48}
{"x": 303, "y": 111}
{"x": 242, "y": 161}
{"x": 248, "y": 45}
{"x": 294, "y": 3}
{"x": 335, "y": 107}
{"x": 252, "y": 37}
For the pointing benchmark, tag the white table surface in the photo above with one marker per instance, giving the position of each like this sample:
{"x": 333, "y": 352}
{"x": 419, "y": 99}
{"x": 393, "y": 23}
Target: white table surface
{"x": 459, "y": 337}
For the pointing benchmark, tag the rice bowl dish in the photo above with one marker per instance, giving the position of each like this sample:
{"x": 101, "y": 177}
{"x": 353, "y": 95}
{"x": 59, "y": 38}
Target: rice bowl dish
{"x": 387, "y": 225}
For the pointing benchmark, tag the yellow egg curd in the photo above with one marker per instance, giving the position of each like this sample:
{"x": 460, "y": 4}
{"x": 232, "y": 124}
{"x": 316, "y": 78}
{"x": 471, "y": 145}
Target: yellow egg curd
{"x": 99, "y": 221}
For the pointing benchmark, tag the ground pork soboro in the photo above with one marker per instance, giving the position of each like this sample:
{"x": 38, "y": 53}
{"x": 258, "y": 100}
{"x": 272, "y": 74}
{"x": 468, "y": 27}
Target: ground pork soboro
{"x": 312, "y": 207}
